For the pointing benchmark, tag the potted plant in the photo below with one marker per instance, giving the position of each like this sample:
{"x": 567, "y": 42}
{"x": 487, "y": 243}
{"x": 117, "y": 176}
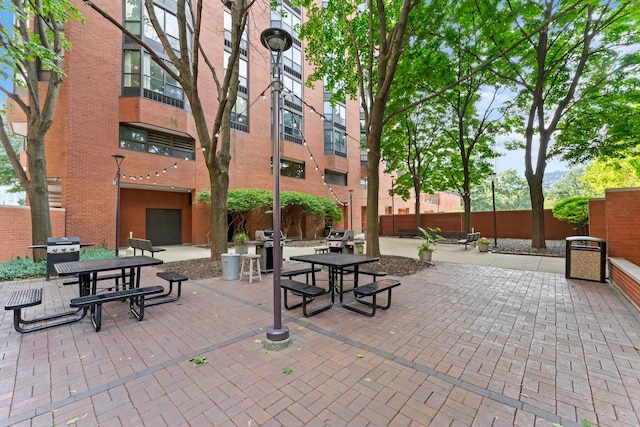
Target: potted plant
{"x": 429, "y": 242}
{"x": 483, "y": 244}
{"x": 239, "y": 241}
{"x": 359, "y": 247}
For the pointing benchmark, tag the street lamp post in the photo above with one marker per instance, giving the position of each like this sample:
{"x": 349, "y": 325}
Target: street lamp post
{"x": 495, "y": 222}
{"x": 393, "y": 208}
{"x": 277, "y": 41}
{"x": 118, "y": 158}
{"x": 351, "y": 207}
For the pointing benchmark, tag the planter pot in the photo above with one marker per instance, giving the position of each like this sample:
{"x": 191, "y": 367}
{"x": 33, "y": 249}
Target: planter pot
{"x": 242, "y": 249}
{"x": 426, "y": 256}
{"x": 483, "y": 247}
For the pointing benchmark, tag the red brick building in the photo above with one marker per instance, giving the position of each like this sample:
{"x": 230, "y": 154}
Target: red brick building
{"x": 115, "y": 99}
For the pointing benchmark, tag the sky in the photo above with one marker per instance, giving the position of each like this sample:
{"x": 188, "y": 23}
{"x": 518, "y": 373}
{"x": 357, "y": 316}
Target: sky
{"x": 512, "y": 159}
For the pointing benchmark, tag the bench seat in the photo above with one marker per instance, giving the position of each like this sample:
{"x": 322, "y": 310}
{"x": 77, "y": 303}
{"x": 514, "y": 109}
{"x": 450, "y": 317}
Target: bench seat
{"x": 31, "y": 297}
{"x": 143, "y": 245}
{"x": 372, "y": 290}
{"x": 135, "y": 296}
{"x": 409, "y": 233}
{"x": 471, "y": 238}
{"x": 308, "y": 294}
{"x": 292, "y": 272}
{"x": 171, "y": 277}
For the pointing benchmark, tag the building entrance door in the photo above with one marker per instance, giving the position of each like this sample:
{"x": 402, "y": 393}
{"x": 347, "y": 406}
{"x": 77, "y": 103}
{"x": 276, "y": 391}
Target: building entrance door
{"x": 164, "y": 226}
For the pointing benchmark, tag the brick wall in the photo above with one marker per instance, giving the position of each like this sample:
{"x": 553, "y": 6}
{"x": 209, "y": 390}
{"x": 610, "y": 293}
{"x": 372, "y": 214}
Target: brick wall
{"x": 597, "y": 219}
{"x": 15, "y": 223}
{"x": 510, "y": 224}
{"x": 623, "y": 223}
{"x": 625, "y": 276}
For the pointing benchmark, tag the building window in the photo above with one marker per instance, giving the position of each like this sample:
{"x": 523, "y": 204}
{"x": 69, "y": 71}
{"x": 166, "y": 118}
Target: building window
{"x": 285, "y": 18}
{"x": 132, "y": 68}
{"x": 363, "y": 183}
{"x": 152, "y": 141}
{"x": 292, "y": 126}
{"x": 292, "y": 61}
{"x": 158, "y": 81}
{"x": 157, "y": 84}
{"x": 293, "y": 93}
{"x": 243, "y": 72}
{"x": 290, "y": 168}
{"x": 363, "y": 157}
{"x": 227, "y": 35}
{"x": 336, "y": 114}
{"x": 335, "y": 177}
{"x": 132, "y": 16}
{"x": 240, "y": 115}
{"x": 335, "y": 143}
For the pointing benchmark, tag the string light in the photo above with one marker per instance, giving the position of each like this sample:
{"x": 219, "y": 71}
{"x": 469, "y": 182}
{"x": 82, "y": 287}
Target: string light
{"x": 288, "y": 96}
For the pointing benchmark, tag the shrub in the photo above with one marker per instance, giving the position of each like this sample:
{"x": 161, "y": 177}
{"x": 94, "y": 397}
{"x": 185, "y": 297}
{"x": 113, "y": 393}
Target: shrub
{"x": 573, "y": 210}
{"x": 24, "y": 268}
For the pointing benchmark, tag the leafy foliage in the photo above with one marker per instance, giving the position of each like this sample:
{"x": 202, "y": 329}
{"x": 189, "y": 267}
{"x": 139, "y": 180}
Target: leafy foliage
{"x": 612, "y": 173}
{"x": 574, "y": 210}
{"x": 429, "y": 238}
{"x": 23, "y": 268}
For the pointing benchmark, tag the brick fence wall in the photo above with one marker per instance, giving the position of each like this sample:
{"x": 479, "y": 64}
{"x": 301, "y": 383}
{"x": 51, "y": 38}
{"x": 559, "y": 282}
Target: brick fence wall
{"x": 510, "y": 224}
{"x": 15, "y": 223}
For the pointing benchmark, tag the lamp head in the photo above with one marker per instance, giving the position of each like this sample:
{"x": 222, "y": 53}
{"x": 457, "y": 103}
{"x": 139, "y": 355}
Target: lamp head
{"x": 276, "y": 39}
{"x": 118, "y": 158}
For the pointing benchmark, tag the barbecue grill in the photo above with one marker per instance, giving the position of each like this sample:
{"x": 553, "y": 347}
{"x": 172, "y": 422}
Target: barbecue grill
{"x": 61, "y": 249}
{"x": 337, "y": 240}
{"x": 264, "y": 248}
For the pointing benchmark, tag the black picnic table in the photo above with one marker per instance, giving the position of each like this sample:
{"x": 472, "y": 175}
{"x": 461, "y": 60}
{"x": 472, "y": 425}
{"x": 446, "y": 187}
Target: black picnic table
{"x": 336, "y": 262}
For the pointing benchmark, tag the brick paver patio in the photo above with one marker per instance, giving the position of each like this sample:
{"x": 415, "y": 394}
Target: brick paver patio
{"x": 461, "y": 345}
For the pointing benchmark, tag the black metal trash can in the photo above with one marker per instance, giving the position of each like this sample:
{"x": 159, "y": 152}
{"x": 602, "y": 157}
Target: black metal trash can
{"x": 586, "y": 258}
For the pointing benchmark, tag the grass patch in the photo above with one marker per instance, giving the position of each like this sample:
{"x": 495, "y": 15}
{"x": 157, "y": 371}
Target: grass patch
{"x": 25, "y": 268}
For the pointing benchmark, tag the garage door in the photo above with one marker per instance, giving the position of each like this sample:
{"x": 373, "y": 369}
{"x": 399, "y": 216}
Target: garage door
{"x": 164, "y": 226}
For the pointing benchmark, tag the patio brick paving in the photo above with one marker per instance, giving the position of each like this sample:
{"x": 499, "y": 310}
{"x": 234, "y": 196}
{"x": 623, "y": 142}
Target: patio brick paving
{"x": 461, "y": 345}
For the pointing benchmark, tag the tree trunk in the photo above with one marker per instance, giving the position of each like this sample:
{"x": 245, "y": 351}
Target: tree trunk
{"x": 218, "y": 166}
{"x": 417, "y": 214}
{"x": 537, "y": 211}
{"x": 373, "y": 177}
{"x": 38, "y": 193}
{"x": 466, "y": 199}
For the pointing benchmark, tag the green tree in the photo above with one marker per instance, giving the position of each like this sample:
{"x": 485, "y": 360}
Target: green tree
{"x": 612, "y": 173}
{"x": 33, "y": 54}
{"x": 571, "y": 184}
{"x": 511, "y": 193}
{"x": 8, "y": 175}
{"x": 184, "y": 65}
{"x": 355, "y": 47}
{"x": 558, "y": 72}
{"x": 242, "y": 202}
{"x": 414, "y": 149}
{"x": 574, "y": 211}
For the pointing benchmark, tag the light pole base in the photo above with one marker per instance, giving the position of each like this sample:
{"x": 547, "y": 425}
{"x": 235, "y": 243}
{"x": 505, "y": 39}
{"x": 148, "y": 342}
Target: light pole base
{"x": 271, "y": 344}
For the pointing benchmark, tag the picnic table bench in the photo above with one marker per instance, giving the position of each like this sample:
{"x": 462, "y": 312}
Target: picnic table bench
{"x": 308, "y": 293}
{"x": 372, "y": 290}
{"x": 135, "y": 296}
{"x": 299, "y": 270}
{"x": 143, "y": 245}
{"x": 471, "y": 238}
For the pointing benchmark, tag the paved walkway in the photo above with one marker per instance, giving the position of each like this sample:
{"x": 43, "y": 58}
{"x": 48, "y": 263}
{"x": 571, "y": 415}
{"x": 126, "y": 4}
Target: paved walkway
{"x": 461, "y": 345}
{"x": 408, "y": 247}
